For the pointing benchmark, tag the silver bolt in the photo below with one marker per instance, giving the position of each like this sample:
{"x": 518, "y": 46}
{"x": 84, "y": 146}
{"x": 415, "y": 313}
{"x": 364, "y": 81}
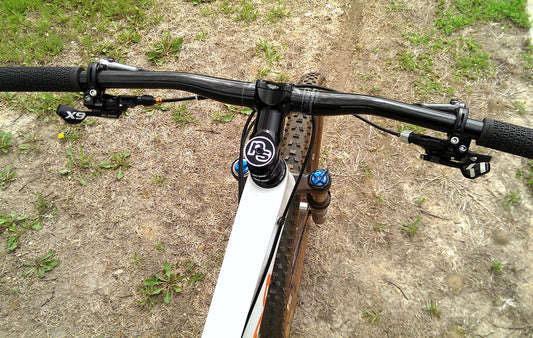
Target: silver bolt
{"x": 93, "y": 92}
{"x": 463, "y": 148}
{"x": 454, "y": 140}
{"x": 87, "y": 98}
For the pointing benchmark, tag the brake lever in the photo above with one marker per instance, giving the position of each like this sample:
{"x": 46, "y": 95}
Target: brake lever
{"x": 111, "y": 64}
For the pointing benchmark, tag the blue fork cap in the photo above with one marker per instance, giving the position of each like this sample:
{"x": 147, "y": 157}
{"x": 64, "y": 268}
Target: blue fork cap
{"x": 319, "y": 178}
{"x": 235, "y": 168}
{"x": 244, "y": 167}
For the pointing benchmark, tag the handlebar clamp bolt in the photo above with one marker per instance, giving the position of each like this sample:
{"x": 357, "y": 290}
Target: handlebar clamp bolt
{"x": 93, "y": 92}
{"x": 463, "y": 148}
{"x": 454, "y": 140}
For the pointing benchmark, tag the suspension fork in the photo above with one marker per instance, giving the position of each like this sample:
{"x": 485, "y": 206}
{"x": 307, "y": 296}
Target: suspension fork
{"x": 316, "y": 184}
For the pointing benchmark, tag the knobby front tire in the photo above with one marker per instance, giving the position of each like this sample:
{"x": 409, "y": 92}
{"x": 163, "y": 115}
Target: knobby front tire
{"x": 288, "y": 267}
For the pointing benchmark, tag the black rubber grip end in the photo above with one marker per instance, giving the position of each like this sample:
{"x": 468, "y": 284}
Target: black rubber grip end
{"x": 40, "y": 79}
{"x": 507, "y": 137}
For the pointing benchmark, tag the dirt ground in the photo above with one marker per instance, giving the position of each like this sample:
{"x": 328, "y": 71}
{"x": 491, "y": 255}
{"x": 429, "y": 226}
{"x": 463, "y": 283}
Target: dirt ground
{"x": 176, "y": 201}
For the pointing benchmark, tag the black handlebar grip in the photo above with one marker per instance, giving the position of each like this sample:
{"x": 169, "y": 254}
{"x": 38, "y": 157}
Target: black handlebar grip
{"x": 40, "y": 79}
{"x": 507, "y": 137}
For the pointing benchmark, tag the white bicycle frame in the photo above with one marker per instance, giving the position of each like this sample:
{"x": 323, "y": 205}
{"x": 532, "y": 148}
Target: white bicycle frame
{"x": 242, "y": 275}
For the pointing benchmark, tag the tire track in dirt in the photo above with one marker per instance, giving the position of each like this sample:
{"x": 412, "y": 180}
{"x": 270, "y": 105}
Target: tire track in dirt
{"x": 338, "y": 66}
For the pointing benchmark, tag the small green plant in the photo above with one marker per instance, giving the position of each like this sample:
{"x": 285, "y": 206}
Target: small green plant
{"x": 379, "y": 227}
{"x": 496, "y": 267}
{"x": 433, "y": 310}
{"x": 243, "y": 110}
{"x": 220, "y": 117}
{"x": 270, "y": 52}
{"x": 182, "y": 116}
{"x": 41, "y": 265}
{"x": 192, "y": 275}
{"x": 282, "y": 77}
{"x": 366, "y": 169}
{"x": 246, "y": 12}
{"x": 160, "y": 180}
{"x": 80, "y": 159}
{"x": 77, "y": 161}
{"x": 410, "y": 229}
{"x": 118, "y": 161}
{"x": 129, "y": 36}
{"x": 16, "y": 226}
{"x": 108, "y": 48}
{"x": 5, "y": 141}
{"x": 527, "y": 56}
{"x": 225, "y": 8}
{"x": 277, "y": 13}
{"x": 30, "y": 143}
{"x": 227, "y": 116}
{"x": 137, "y": 261}
{"x": 164, "y": 285}
{"x": 397, "y": 6}
{"x": 6, "y": 177}
{"x": 157, "y": 285}
{"x": 163, "y": 49}
{"x": 261, "y": 73}
{"x": 201, "y": 36}
{"x": 372, "y": 315}
{"x": 160, "y": 246}
{"x": 521, "y": 107}
{"x": 43, "y": 205}
{"x": 5, "y": 290}
{"x": 511, "y": 199}
{"x": 420, "y": 201}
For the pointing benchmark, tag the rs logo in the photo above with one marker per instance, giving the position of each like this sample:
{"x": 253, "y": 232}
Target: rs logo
{"x": 258, "y": 150}
{"x": 75, "y": 115}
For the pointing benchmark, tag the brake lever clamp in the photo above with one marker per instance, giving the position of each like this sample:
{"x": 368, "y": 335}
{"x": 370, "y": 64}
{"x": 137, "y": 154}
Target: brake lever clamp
{"x": 99, "y": 103}
{"x": 453, "y": 152}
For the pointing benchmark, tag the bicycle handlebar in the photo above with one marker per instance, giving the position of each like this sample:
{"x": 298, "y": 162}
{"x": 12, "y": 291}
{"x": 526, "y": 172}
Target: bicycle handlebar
{"x": 493, "y": 134}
